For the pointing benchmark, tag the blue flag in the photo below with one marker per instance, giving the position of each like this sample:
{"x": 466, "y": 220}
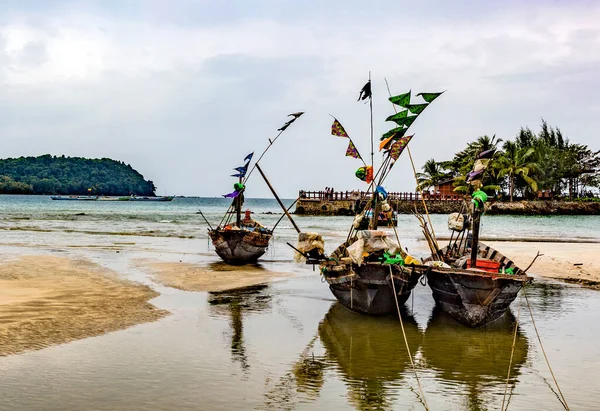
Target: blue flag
{"x": 249, "y": 157}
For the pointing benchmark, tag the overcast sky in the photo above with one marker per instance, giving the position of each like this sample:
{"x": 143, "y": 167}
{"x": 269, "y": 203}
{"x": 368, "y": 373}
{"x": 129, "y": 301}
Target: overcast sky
{"x": 183, "y": 89}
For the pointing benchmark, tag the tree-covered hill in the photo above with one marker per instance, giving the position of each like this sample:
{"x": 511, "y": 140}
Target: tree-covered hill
{"x": 71, "y": 175}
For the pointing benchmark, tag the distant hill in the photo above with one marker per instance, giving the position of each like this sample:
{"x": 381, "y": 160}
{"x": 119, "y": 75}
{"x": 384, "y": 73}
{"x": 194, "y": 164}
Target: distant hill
{"x": 71, "y": 175}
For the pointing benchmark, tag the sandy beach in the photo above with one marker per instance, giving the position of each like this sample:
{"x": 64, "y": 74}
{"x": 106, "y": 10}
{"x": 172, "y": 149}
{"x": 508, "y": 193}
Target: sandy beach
{"x": 572, "y": 262}
{"x": 46, "y": 300}
{"x": 209, "y": 278}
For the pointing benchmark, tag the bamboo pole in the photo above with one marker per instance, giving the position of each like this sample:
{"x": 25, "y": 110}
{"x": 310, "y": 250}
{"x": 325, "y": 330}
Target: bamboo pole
{"x": 277, "y": 198}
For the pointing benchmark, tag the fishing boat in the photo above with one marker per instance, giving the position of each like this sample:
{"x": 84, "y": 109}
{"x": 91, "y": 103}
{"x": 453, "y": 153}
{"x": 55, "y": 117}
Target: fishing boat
{"x": 471, "y": 281}
{"x": 385, "y": 219}
{"x": 376, "y": 286}
{"x": 240, "y": 240}
{"x": 151, "y": 198}
{"x": 111, "y": 198}
{"x": 475, "y": 297}
{"x": 370, "y": 272}
{"x": 74, "y": 198}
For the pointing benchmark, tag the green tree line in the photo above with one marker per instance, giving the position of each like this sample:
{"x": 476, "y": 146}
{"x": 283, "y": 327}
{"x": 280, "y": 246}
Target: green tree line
{"x": 545, "y": 161}
{"x": 71, "y": 175}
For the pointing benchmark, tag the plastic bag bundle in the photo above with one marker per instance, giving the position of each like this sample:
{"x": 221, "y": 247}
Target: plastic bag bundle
{"x": 308, "y": 242}
{"x": 369, "y": 241}
{"x": 456, "y": 222}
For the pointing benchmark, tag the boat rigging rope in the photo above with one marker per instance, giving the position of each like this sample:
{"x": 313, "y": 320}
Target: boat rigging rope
{"x": 512, "y": 351}
{"x": 406, "y": 341}
{"x": 564, "y": 401}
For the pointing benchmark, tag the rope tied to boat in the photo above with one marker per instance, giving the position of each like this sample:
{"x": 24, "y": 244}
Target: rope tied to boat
{"x": 423, "y": 278}
{"x": 512, "y": 351}
{"x": 562, "y": 398}
{"x": 412, "y": 363}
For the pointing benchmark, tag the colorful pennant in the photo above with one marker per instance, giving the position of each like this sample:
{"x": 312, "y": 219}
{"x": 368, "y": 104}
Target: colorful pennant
{"x": 337, "y": 129}
{"x": 398, "y": 147}
{"x": 351, "y": 151}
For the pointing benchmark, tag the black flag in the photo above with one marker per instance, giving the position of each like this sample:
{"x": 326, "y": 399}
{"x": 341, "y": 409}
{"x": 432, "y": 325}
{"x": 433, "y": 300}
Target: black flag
{"x": 287, "y": 124}
{"x": 365, "y": 92}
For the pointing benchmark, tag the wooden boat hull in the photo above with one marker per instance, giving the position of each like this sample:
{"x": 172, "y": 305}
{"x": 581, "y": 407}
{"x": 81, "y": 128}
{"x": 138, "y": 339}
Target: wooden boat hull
{"x": 240, "y": 246}
{"x": 476, "y": 298}
{"x": 367, "y": 289}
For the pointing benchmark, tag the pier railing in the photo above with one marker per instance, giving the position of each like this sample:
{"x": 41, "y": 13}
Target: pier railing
{"x": 393, "y": 196}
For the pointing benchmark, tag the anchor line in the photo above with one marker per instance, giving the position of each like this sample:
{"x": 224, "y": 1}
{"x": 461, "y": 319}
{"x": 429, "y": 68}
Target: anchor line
{"x": 512, "y": 351}
{"x": 564, "y": 401}
{"x": 406, "y": 341}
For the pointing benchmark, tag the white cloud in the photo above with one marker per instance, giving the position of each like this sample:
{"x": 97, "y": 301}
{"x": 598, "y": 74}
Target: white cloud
{"x": 182, "y": 100}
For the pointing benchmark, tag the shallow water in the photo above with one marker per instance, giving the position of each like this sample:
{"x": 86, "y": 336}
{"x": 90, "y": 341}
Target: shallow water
{"x": 288, "y": 345}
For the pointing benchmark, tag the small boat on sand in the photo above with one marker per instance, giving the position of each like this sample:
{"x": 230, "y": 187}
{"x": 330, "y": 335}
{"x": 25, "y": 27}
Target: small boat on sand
{"x": 242, "y": 242}
{"x": 237, "y": 240}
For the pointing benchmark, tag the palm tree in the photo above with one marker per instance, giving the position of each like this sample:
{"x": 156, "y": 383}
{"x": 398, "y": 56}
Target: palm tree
{"x": 432, "y": 174}
{"x": 515, "y": 161}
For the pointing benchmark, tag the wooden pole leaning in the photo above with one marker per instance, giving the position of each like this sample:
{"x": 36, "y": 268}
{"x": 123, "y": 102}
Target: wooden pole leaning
{"x": 277, "y": 198}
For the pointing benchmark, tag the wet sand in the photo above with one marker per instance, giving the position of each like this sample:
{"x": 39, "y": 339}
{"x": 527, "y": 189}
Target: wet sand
{"x": 558, "y": 260}
{"x": 46, "y": 300}
{"x": 210, "y": 278}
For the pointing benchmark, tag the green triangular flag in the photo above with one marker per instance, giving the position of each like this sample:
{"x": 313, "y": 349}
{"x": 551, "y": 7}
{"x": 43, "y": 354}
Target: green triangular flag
{"x": 409, "y": 120}
{"x": 405, "y": 121}
{"x": 401, "y": 100}
{"x": 416, "y": 108}
{"x": 397, "y": 116}
{"x": 429, "y": 97}
{"x": 396, "y": 132}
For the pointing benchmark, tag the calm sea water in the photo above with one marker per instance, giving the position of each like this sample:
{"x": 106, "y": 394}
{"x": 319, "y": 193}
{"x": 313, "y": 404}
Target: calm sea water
{"x": 180, "y": 218}
{"x": 288, "y": 345}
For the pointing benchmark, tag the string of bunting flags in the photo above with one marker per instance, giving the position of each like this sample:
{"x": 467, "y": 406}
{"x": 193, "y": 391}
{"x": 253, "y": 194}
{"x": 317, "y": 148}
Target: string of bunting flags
{"x": 338, "y": 130}
{"x": 395, "y": 140}
{"x": 241, "y": 173}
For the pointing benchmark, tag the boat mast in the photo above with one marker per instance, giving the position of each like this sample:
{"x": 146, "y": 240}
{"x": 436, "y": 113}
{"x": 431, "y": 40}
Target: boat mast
{"x": 475, "y": 231}
{"x": 373, "y": 223}
{"x": 238, "y": 206}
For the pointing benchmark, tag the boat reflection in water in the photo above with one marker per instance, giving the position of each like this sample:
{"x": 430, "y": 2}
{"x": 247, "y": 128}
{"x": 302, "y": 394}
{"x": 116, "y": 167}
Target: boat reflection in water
{"x": 475, "y": 358}
{"x": 234, "y": 303}
{"x": 369, "y": 353}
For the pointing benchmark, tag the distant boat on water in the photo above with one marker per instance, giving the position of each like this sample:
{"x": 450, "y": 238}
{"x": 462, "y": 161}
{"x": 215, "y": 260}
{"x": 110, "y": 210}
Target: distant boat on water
{"x": 108, "y": 198}
{"x": 161, "y": 198}
{"x": 75, "y": 198}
